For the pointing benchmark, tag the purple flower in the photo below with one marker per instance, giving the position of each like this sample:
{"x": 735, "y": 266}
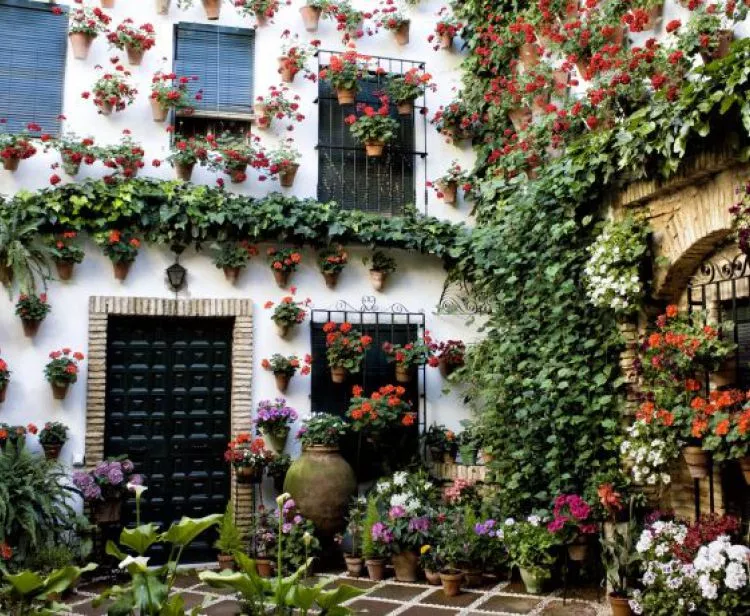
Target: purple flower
{"x": 380, "y": 533}
{"x": 298, "y": 519}
{"x": 136, "y": 480}
{"x": 82, "y": 480}
{"x": 286, "y": 528}
{"x": 101, "y": 469}
{"x": 127, "y": 466}
{"x": 92, "y": 492}
{"x": 397, "y": 511}
{"x": 419, "y": 525}
{"x": 290, "y": 504}
{"x": 114, "y": 475}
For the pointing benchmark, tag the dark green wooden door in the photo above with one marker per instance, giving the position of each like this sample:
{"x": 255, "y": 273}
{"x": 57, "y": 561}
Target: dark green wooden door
{"x": 168, "y": 397}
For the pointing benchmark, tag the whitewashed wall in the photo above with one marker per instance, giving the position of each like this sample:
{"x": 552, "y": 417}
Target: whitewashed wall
{"x": 417, "y": 285}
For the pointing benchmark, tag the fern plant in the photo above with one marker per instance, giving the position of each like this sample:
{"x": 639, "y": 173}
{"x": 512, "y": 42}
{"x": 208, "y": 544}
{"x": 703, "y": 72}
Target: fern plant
{"x": 372, "y": 517}
{"x": 230, "y": 537}
{"x": 23, "y": 258}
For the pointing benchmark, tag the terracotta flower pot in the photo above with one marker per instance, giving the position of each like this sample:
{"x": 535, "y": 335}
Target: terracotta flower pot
{"x": 3, "y": 391}
{"x": 184, "y": 171}
{"x": 232, "y": 274}
{"x": 287, "y": 175}
{"x": 248, "y": 474}
{"x": 135, "y": 55}
{"x": 583, "y": 68}
{"x": 30, "y": 327}
{"x": 158, "y": 112}
{"x": 261, "y": 19}
{"x": 80, "y": 43}
{"x": 354, "y": 566}
{"x": 51, "y": 451}
{"x": 451, "y": 582}
{"x": 331, "y": 279}
{"x": 376, "y": 569}
{"x": 378, "y": 279}
{"x": 374, "y": 149}
{"x": 620, "y": 606}
{"x": 212, "y": 8}
{"x": 162, "y": 6}
{"x": 281, "y": 277}
{"x": 698, "y": 461}
{"x": 64, "y": 269}
{"x": 283, "y": 329}
{"x": 473, "y": 577}
{"x": 11, "y": 164}
{"x": 402, "y": 33}
{"x": 745, "y": 466}
{"x": 237, "y": 175}
{"x": 262, "y": 118}
{"x": 433, "y": 577}
{"x": 450, "y": 192}
{"x": 108, "y": 4}
{"x": 528, "y": 55}
{"x": 59, "y": 390}
{"x": 403, "y": 373}
{"x": 405, "y": 108}
{"x": 264, "y": 567}
{"x": 287, "y": 70}
{"x": 346, "y": 96}
{"x": 226, "y": 561}
{"x": 723, "y": 45}
{"x": 534, "y": 582}
{"x": 339, "y": 374}
{"x": 405, "y": 566}
{"x": 106, "y": 108}
{"x": 107, "y": 511}
{"x": 310, "y": 17}
{"x": 121, "y": 269}
{"x": 446, "y": 368}
{"x": 282, "y": 381}
{"x": 520, "y": 117}
{"x": 446, "y": 41}
{"x": 654, "y": 15}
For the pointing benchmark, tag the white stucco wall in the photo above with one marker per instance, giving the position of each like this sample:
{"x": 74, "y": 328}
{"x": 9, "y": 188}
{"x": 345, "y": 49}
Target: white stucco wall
{"x": 417, "y": 284}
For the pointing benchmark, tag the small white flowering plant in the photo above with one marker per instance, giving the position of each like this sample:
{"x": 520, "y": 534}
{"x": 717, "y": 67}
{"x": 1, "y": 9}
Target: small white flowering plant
{"x": 612, "y": 272}
{"x": 412, "y": 491}
{"x": 648, "y": 448}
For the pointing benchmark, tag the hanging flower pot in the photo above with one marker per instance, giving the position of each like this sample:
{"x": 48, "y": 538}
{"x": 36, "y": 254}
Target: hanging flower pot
{"x": 30, "y": 327}
{"x": 276, "y": 440}
{"x": 433, "y": 577}
{"x": 723, "y": 44}
{"x": 310, "y": 17}
{"x": 446, "y": 368}
{"x": 520, "y": 117}
{"x": 698, "y": 461}
{"x": 264, "y": 567}
{"x": 282, "y": 381}
{"x": 528, "y": 55}
{"x": 11, "y": 163}
{"x": 449, "y": 191}
{"x": 248, "y": 474}
{"x": 281, "y": 277}
{"x": 582, "y": 65}
{"x": 287, "y": 69}
{"x": 184, "y": 171}
{"x": 405, "y": 108}
{"x": 121, "y": 269}
{"x": 3, "y": 391}
{"x": 262, "y": 117}
{"x": 331, "y": 279}
{"x": 339, "y": 374}
{"x": 378, "y": 279}
{"x": 80, "y": 43}
{"x": 105, "y": 108}
{"x": 226, "y": 561}
{"x": 654, "y": 14}
{"x": 374, "y": 149}
{"x": 261, "y": 20}
{"x": 212, "y": 8}
{"x": 405, "y": 566}
{"x": 59, "y": 390}
{"x": 403, "y": 373}
{"x": 354, "y": 565}
{"x": 135, "y": 55}
{"x": 64, "y": 269}
{"x": 578, "y": 550}
{"x": 162, "y": 6}
{"x": 51, "y": 450}
{"x": 158, "y": 112}
{"x": 745, "y": 466}
{"x": 71, "y": 168}
{"x": 446, "y": 41}
{"x": 346, "y": 96}
{"x": 451, "y": 581}
{"x": 107, "y": 511}
{"x": 376, "y": 569}
{"x": 287, "y": 175}
{"x": 283, "y": 329}
{"x": 108, "y": 4}
{"x": 237, "y": 175}
{"x": 232, "y": 273}
{"x": 402, "y": 33}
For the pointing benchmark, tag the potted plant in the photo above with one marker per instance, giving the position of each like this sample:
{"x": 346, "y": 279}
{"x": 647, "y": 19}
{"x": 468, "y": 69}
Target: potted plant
{"x": 446, "y": 186}
{"x": 85, "y": 25}
{"x": 430, "y": 563}
{"x": 448, "y": 356}
{"x": 262, "y": 10}
{"x": 283, "y": 162}
{"x": 233, "y": 156}
{"x": 4, "y": 378}
{"x": 169, "y": 91}
{"x": 345, "y": 349}
{"x": 469, "y": 441}
{"x": 455, "y": 120}
{"x": 184, "y": 153}
{"x": 283, "y": 262}
{"x": 376, "y": 542}
{"x": 441, "y": 443}
{"x": 620, "y": 560}
{"x": 107, "y": 4}
{"x": 573, "y": 523}
{"x": 343, "y": 73}
{"x": 294, "y": 57}
{"x": 381, "y": 265}
{"x": 284, "y": 368}
{"x": 233, "y": 256}
{"x": 287, "y": 314}
{"x": 450, "y": 552}
{"x": 381, "y": 410}
{"x": 405, "y": 89}
{"x": 311, "y": 13}
{"x": 135, "y": 41}
{"x": 14, "y": 148}
{"x": 62, "y": 371}
{"x": 105, "y": 486}
{"x": 112, "y": 92}
{"x": 408, "y": 356}
{"x": 375, "y": 128}
{"x": 162, "y": 7}
{"x": 394, "y": 19}
{"x": 447, "y": 28}
{"x": 74, "y": 151}
{"x": 274, "y": 420}
{"x": 121, "y": 247}
{"x": 264, "y": 535}
{"x": 727, "y": 436}
{"x": 66, "y": 252}
{"x": 32, "y": 309}
{"x": 248, "y": 456}
{"x": 277, "y": 469}
{"x": 708, "y": 33}
{"x": 355, "y": 529}
{"x": 125, "y": 158}
{"x": 229, "y": 541}
{"x": 277, "y": 104}
{"x": 332, "y": 261}
{"x": 349, "y": 20}
{"x": 530, "y": 548}
{"x": 52, "y": 438}
{"x": 409, "y": 529}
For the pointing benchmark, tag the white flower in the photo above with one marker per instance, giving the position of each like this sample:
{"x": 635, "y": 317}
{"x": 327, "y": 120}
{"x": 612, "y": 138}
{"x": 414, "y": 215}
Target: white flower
{"x": 644, "y": 542}
{"x": 399, "y": 478}
{"x": 740, "y": 553}
{"x": 137, "y": 489}
{"x": 509, "y": 522}
{"x": 534, "y": 520}
{"x": 140, "y": 561}
{"x": 736, "y": 576}
{"x": 709, "y": 590}
{"x": 649, "y": 577}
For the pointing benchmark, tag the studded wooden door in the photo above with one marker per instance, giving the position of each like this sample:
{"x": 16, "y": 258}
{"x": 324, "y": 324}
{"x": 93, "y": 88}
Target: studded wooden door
{"x": 168, "y": 409}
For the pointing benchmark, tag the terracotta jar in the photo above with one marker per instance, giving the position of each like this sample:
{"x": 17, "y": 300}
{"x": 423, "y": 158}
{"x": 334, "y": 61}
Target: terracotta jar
{"x": 321, "y": 482}
{"x": 80, "y": 43}
{"x": 533, "y": 581}
{"x": 473, "y": 577}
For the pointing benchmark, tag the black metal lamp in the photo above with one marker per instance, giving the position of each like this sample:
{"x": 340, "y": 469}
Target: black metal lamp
{"x": 176, "y": 276}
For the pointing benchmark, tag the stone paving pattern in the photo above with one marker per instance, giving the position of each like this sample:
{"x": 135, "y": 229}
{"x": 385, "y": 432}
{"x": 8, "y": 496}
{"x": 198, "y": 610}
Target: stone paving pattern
{"x": 494, "y": 598}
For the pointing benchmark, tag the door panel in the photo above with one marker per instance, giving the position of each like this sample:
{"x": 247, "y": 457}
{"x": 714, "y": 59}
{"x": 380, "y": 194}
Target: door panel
{"x": 168, "y": 409}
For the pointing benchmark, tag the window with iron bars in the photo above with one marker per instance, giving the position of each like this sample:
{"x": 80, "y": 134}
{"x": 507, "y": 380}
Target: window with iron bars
{"x": 383, "y": 185}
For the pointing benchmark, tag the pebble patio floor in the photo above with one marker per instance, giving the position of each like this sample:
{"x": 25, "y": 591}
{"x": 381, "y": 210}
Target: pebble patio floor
{"x": 495, "y": 598}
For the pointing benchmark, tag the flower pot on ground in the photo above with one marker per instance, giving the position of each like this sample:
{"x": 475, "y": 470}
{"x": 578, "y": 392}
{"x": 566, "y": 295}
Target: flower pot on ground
{"x": 226, "y": 562}
{"x": 405, "y": 566}
{"x": 310, "y": 17}
{"x": 265, "y": 567}
{"x": 433, "y": 577}
{"x": 452, "y": 582}
{"x": 698, "y": 461}
{"x": 80, "y": 43}
{"x": 354, "y": 565}
{"x": 533, "y": 580}
{"x": 620, "y": 606}
{"x": 376, "y": 569}
{"x": 229, "y": 542}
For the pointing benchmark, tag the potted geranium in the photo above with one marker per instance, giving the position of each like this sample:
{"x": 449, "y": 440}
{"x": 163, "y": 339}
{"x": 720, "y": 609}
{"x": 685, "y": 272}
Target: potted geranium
{"x": 284, "y": 368}
{"x": 121, "y": 247}
{"x": 4, "y": 378}
{"x": 283, "y": 162}
{"x": 233, "y": 156}
{"x": 383, "y": 409}
{"x": 408, "y": 356}
{"x": 262, "y": 10}
{"x": 185, "y": 153}
{"x": 708, "y": 32}
{"x": 455, "y": 120}
{"x": 312, "y": 11}
{"x": 125, "y": 158}
{"x": 441, "y": 443}
{"x": 531, "y": 548}
{"x": 349, "y": 20}
{"x": 62, "y": 371}
{"x": 343, "y": 73}
{"x": 105, "y": 486}
{"x": 405, "y": 89}
{"x": 74, "y": 151}
{"x": 573, "y": 523}
{"x": 85, "y": 25}
{"x": 277, "y": 104}
{"x": 394, "y": 19}
{"x": 446, "y": 186}
{"x": 229, "y": 541}
{"x": 375, "y": 127}
{"x": 345, "y": 349}
{"x": 248, "y": 456}
{"x": 274, "y": 420}
{"x": 727, "y": 435}
{"x": 14, "y": 148}
{"x": 135, "y": 41}
{"x": 294, "y": 57}
{"x": 52, "y": 438}
{"x": 32, "y": 309}
{"x": 446, "y": 29}
{"x": 169, "y": 91}
{"x": 287, "y": 314}
{"x": 66, "y": 253}
{"x": 381, "y": 265}
{"x": 232, "y": 256}
{"x": 283, "y": 262}
{"x": 332, "y": 261}
{"x": 113, "y": 92}
{"x": 448, "y": 356}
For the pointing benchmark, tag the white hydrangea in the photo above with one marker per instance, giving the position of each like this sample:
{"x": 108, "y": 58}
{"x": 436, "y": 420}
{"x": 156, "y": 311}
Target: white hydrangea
{"x": 400, "y": 478}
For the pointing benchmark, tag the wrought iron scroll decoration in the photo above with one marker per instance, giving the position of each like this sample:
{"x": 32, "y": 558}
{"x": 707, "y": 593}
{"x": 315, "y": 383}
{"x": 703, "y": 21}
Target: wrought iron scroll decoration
{"x": 458, "y": 298}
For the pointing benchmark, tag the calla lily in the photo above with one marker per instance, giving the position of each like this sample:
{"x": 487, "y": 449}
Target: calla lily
{"x": 140, "y": 561}
{"x": 282, "y": 498}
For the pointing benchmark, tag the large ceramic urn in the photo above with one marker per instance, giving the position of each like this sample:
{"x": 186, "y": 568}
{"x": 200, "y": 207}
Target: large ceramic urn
{"x": 322, "y": 483}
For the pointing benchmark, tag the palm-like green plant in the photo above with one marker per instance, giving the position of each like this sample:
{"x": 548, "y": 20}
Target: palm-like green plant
{"x": 24, "y": 259}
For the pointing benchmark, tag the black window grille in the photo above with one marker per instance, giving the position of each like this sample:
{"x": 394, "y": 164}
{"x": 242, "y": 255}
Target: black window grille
{"x": 398, "y": 327}
{"x": 385, "y": 184}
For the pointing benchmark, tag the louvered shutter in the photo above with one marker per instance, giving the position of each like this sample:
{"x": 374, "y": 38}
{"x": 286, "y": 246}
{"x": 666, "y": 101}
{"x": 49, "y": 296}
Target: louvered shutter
{"x": 32, "y": 65}
{"x": 223, "y": 60}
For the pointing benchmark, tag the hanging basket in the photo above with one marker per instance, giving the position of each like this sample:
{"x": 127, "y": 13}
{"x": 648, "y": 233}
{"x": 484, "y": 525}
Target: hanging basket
{"x": 248, "y": 474}
{"x": 339, "y": 374}
{"x": 698, "y": 461}
{"x": 376, "y": 569}
{"x": 354, "y": 566}
{"x": 80, "y": 43}
{"x": 452, "y": 581}
{"x": 264, "y": 567}
{"x": 405, "y": 566}
{"x": 226, "y": 561}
